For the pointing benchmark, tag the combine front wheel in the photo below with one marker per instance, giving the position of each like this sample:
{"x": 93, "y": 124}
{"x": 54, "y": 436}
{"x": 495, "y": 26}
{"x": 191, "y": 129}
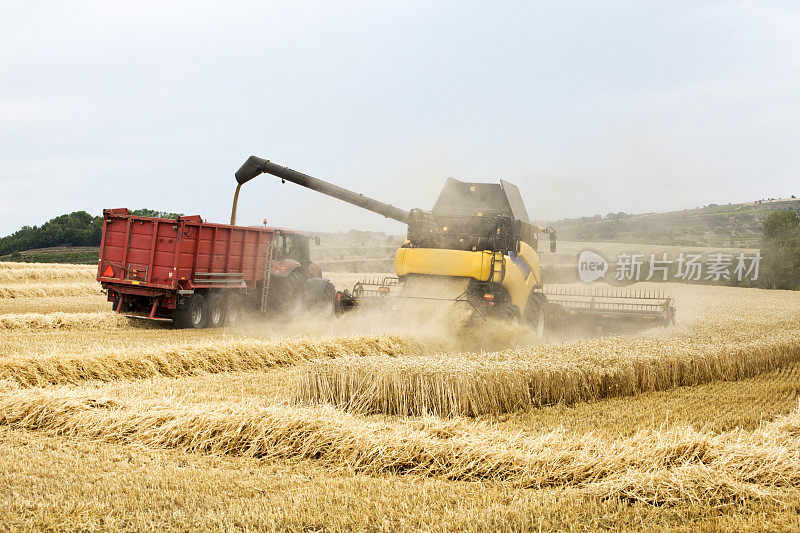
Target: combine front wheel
{"x": 507, "y": 313}
{"x": 535, "y": 315}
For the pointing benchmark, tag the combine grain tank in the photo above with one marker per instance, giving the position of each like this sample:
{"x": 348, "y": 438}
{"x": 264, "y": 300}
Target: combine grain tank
{"x": 198, "y": 274}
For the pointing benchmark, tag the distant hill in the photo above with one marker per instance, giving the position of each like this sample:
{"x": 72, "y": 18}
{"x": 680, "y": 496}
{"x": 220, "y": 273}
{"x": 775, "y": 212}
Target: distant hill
{"x": 731, "y": 225}
{"x": 75, "y": 238}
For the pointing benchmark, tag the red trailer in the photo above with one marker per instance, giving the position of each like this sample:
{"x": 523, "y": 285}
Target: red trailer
{"x": 198, "y": 274}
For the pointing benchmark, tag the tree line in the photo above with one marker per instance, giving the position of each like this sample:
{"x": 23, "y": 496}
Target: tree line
{"x": 780, "y": 247}
{"x": 780, "y": 251}
{"x": 75, "y": 229}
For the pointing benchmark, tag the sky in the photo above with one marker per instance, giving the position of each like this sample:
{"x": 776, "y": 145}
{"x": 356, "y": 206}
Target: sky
{"x": 588, "y": 107}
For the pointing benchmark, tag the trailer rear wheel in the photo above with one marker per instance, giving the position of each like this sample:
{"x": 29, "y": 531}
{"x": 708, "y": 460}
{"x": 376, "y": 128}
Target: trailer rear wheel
{"x": 192, "y": 314}
{"x": 215, "y": 304}
{"x": 233, "y": 309}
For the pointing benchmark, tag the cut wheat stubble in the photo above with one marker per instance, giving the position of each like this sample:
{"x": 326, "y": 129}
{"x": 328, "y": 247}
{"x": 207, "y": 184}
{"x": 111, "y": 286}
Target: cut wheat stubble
{"x": 651, "y": 466}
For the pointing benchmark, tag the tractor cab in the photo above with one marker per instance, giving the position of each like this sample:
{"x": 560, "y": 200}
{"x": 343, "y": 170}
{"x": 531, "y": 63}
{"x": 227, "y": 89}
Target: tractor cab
{"x": 293, "y": 250}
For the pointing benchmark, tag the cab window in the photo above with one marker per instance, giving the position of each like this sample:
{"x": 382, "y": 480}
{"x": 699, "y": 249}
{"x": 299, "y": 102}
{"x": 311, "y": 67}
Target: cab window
{"x": 279, "y": 247}
{"x": 295, "y": 247}
{"x": 289, "y": 248}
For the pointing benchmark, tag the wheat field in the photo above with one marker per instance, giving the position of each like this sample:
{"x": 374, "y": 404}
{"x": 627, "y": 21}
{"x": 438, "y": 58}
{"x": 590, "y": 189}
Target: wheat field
{"x": 739, "y": 339}
{"x": 380, "y": 422}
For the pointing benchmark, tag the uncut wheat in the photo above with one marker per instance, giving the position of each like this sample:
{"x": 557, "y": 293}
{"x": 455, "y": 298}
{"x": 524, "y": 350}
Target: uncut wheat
{"x": 63, "y": 321}
{"x": 45, "y": 289}
{"x": 460, "y": 385}
{"x": 734, "y": 335}
{"x": 10, "y": 275}
{"x": 211, "y": 356}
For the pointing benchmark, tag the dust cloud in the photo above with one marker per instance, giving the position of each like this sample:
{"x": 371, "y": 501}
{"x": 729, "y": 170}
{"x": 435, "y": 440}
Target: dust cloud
{"x": 426, "y": 313}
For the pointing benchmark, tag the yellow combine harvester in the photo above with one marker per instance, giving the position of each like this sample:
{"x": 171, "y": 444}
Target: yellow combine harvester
{"x": 478, "y": 235}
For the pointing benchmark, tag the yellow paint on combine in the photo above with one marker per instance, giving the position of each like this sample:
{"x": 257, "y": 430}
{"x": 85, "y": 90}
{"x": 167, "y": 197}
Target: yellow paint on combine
{"x": 477, "y": 265}
{"x": 518, "y": 285}
{"x": 439, "y": 262}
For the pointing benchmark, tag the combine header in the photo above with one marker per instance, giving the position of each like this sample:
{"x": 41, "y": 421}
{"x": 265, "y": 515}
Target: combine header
{"x": 479, "y": 244}
{"x": 596, "y": 307}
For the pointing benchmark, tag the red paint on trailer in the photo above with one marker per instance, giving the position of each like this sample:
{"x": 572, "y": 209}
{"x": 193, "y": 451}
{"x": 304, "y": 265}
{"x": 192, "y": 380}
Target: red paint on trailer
{"x": 157, "y": 257}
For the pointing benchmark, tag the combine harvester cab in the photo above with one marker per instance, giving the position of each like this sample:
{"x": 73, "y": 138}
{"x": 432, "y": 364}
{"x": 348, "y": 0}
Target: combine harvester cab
{"x": 480, "y": 235}
{"x": 198, "y": 274}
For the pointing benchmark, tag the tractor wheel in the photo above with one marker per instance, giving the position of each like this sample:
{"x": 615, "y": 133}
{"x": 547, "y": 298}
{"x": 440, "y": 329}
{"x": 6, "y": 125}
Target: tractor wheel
{"x": 215, "y": 304}
{"x": 233, "y": 309}
{"x": 535, "y": 314}
{"x": 192, "y": 314}
{"x": 289, "y": 294}
{"x": 327, "y": 301}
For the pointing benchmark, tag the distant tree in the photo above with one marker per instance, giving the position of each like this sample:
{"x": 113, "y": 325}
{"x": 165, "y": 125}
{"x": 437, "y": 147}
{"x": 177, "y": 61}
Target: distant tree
{"x": 153, "y": 213}
{"x": 780, "y": 251}
{"x": 75, "y": 229}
